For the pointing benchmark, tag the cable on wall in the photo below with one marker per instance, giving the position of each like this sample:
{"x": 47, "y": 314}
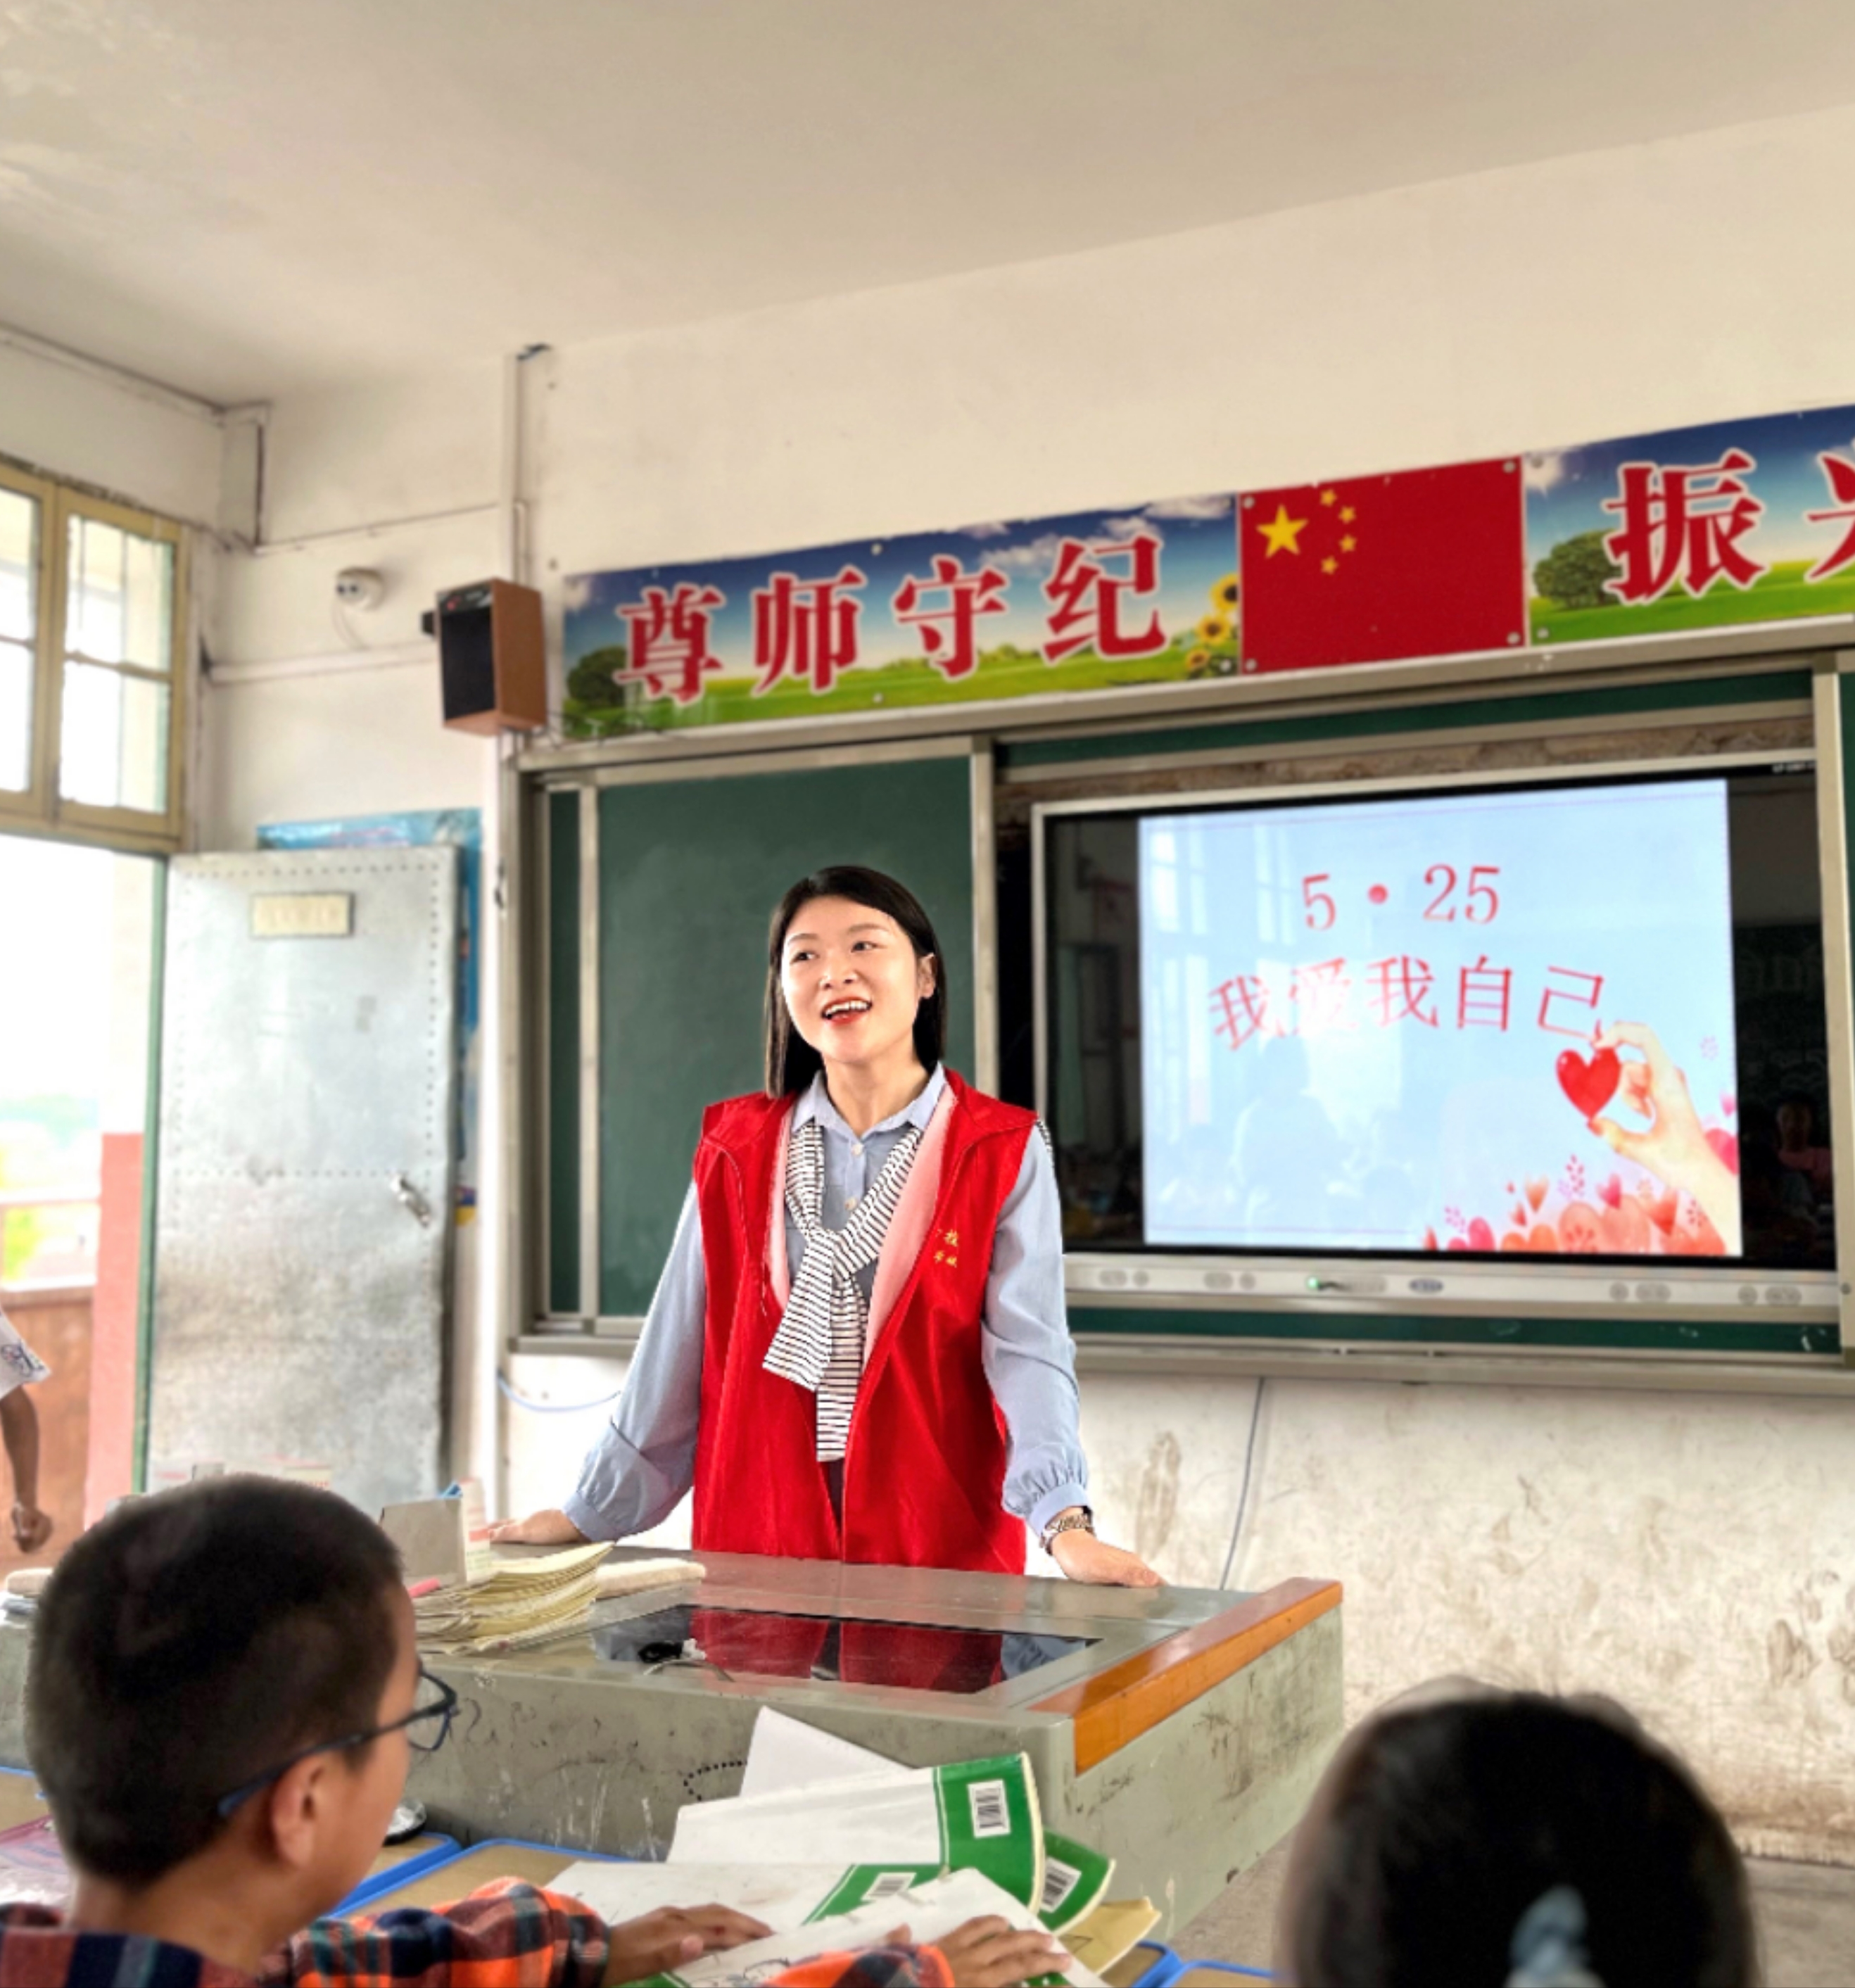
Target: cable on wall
{"x": 1249, "y": 1457}
{"x": 552, "y": 1407}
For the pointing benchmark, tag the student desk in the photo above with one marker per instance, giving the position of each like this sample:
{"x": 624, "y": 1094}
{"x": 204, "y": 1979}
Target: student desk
{"x": 1180, "y": 1730}
{"x": 20, "y": 1800}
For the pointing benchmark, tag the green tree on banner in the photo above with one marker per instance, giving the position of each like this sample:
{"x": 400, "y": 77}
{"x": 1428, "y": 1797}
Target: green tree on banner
{"x": 590, "y": 681}
{"x": 1573, "y": 572}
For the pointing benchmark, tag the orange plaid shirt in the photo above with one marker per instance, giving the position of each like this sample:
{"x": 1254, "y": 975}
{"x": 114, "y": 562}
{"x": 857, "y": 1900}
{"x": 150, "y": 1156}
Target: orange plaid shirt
{"x": 506, "y": 1935}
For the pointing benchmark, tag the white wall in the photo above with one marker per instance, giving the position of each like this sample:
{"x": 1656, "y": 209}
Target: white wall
{"x": 312, "y": 713}
{"x": 1691, "y": 1555}
{"x": 153, "y": 449}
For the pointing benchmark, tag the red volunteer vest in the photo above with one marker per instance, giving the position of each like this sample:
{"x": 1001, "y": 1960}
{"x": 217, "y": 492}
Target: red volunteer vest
{"x": 924, "y": 1471}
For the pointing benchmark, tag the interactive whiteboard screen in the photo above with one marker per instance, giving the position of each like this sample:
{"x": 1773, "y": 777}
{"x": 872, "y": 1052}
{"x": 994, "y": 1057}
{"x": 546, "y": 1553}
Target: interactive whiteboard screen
{"x": 1484, "y": 1022}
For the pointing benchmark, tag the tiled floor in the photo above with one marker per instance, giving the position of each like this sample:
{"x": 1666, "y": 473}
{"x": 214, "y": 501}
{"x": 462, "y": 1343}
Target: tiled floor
{"x": 1807, "y": 1921}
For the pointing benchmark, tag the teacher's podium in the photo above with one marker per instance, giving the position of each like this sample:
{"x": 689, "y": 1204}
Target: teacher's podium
{"x": 1179, "y": 1730}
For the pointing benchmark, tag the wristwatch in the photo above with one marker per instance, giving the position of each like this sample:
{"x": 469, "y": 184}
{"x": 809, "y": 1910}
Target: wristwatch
{"x": 1080, "y": 1520}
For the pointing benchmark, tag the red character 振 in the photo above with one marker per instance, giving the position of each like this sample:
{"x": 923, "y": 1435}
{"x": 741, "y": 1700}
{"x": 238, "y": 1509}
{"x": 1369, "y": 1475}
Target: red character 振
{"x": 951, "y": 648}
{"x": 1087, "y": 600}
{"x": 1682, "y": 523}
{"x": 806, "y": 627}
{"x": 669, "y": 646}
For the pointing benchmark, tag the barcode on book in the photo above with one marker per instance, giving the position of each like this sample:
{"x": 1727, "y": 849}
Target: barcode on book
{"x": 888, "y": 1883}
{"x": 1060, "y": 1879}
{"x": 991, "y": 1814}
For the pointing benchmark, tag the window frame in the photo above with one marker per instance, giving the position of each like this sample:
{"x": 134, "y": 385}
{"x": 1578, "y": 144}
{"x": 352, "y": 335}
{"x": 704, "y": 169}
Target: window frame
{"x": 41, "y": 808}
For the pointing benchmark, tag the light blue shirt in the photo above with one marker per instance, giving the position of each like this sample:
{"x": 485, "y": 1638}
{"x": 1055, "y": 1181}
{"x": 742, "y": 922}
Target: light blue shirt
{"x": 644, "y": 1461}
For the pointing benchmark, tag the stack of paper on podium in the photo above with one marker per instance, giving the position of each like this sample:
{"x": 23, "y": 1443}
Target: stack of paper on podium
{"x": 467, "y": 1598}
{"x": 518, "y": 1602}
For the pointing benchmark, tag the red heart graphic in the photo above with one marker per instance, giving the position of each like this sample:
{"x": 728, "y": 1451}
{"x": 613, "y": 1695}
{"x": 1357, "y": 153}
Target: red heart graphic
{"x": 1590, "y": 1085}
{"x": 1611, "y": 1194}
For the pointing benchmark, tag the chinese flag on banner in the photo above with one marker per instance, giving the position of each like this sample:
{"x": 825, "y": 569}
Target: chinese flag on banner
{"x": 1429, "y": 563}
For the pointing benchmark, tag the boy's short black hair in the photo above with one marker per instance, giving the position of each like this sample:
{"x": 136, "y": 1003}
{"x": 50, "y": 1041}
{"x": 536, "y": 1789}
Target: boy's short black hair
{"x": 187, "y": 1643}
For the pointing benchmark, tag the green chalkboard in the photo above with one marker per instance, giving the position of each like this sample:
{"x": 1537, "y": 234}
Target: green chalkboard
{"x": 689, "y": 872}
{"x": 562, "y": 931}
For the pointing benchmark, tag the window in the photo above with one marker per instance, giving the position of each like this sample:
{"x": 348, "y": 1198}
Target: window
{"x": 92, "y": 614}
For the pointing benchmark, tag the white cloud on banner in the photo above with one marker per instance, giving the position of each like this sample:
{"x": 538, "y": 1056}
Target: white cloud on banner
{"x": 576, "y": 593}
{"x": 1038, "y": 555}
{"x": 1544, "y": 470}
{"x": 1125, "y": 527}
{"x": 1198, "y": 508}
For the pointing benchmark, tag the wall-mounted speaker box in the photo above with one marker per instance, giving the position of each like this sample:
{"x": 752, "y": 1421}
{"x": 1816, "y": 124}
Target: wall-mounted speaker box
{"x": 492, "y": 657}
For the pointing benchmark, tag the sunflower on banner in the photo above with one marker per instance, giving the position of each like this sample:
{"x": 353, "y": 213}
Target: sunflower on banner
{"x": 1218, "y": 650}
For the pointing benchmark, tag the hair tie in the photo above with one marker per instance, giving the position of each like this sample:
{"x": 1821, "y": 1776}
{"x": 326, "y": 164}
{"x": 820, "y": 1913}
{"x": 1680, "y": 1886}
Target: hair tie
{"x": 1548, "y": 1949}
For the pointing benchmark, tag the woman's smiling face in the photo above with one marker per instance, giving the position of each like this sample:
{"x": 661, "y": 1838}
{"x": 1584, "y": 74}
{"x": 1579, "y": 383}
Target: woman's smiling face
{"x": 852, "y": 981}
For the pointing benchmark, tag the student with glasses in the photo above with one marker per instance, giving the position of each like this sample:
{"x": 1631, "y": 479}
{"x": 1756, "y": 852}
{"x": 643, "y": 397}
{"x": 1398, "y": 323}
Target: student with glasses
{"x": 222, "y": 1696}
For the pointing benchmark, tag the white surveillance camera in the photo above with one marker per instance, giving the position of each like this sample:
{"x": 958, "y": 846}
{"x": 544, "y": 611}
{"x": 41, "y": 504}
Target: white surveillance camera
{"x": 359, "y": 586}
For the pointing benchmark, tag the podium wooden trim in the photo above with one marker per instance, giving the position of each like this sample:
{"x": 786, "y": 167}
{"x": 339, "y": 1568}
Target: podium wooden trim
{"x": 1119, "y": 1705}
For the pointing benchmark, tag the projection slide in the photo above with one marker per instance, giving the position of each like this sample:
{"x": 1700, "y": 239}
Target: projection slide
{"x": 1481, "y": 1023}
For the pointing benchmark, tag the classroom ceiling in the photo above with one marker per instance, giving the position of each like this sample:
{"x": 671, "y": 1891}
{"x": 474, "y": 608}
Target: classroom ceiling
{"x": 245, "y": 197}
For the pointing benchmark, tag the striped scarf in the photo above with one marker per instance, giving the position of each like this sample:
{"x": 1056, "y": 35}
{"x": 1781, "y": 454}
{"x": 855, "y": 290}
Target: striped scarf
{"x": 820, "y": 1343}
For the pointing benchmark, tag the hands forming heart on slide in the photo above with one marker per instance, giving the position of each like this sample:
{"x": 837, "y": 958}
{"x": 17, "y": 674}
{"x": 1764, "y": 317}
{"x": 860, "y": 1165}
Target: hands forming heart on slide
{"x": 1590, "y": 1085}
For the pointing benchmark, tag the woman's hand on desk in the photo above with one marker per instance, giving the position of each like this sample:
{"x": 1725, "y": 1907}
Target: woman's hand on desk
{"x": 539, "y": 1529}
{"x": 672, "y": 1936}
{"x": 1084, "y": 1557}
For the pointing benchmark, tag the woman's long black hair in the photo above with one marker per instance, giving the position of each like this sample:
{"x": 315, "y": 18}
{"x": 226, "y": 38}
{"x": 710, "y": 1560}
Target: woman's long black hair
{"x": 791, "y": 1061}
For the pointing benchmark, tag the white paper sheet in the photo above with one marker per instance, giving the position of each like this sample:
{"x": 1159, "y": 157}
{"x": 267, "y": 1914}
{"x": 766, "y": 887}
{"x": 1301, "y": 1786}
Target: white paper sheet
{"x": 785, "y": 1895}
{"x": 784, "y": 1755}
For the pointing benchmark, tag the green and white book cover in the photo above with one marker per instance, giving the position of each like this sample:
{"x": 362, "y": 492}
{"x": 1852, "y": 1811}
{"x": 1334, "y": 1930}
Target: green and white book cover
{"x": 1074, "y": 1880}
{"x": 978, "y": 1815}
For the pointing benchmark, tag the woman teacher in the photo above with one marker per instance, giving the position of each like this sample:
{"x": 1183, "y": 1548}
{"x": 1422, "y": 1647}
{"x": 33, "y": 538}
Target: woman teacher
{"x": 858, "y": 1349}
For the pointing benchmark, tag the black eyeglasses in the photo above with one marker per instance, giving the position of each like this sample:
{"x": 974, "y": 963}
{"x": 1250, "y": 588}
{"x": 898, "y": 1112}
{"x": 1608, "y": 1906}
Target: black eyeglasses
{"x": 433, "y": 1712}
